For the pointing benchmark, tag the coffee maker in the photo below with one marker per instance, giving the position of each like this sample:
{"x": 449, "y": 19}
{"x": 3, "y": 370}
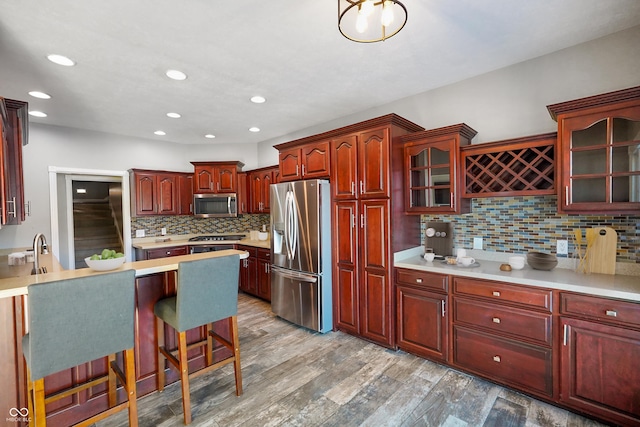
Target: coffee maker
{"x": 438, "y": 237}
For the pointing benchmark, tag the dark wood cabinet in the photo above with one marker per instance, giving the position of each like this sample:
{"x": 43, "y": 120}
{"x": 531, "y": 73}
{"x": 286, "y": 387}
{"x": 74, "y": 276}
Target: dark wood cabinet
{"x": 154, "y": 192}
{"x": 504, "y": 332}
{"x": 264, "y": 274}
{"x": 599, "y": 141}
{"x": 433, "y": 175}
{"x": 599, "y": 357}
{"x": 243, "y": 194}
{"x": 422, "y": 314}
{"x": 216, "y": 177}
{"x": 185, "y": 194}
{"x": 14, "y": 124}
{"x": 368, "y": 225}
{"x": 305, "y": 162}
{"x": 260, "y": 181}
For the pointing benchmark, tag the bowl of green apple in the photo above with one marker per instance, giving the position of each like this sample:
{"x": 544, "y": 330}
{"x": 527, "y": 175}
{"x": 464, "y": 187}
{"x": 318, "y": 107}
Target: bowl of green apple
{"x": 107, "y": 260}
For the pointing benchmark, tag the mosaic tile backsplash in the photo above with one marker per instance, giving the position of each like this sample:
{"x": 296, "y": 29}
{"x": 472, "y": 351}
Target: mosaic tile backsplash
{"x": 183, "y": 224}
{"x": 521, "y": 224}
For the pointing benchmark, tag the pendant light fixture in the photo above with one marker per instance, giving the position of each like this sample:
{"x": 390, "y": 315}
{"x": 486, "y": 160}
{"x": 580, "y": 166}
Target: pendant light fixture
{"x": 369, "y": 21}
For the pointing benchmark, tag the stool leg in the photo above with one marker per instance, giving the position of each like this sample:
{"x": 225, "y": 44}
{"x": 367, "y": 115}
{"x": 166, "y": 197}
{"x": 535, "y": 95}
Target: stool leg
{"x": 184, "y": 376}
{"x": 160, "y": 373}
{"x": 209, "y": 348}
{"x": 40, "y": 415}
{"x": 111, "y": 381}
{"x": 236, "y": 354}
{"x": 30, "y": 396}
{"x": 130, "y": 387}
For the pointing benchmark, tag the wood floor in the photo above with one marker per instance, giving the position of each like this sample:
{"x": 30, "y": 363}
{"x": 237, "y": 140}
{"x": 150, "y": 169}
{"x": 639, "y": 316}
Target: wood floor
{"x": 294, "y": 377}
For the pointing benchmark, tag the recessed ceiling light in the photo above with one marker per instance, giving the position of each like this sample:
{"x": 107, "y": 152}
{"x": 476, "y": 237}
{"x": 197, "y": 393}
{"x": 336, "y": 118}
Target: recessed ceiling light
{"x": 174, "y": 115}
{"x": 37, "y": 113}
{"x": 61, "y": 60}
{"x": 254, "y": 129}
{"x": 160, "y": 133}
{"x": 176, "y": 75}
{"x": 258, "y": 99}
{"x": 40, "y": 95}
{"x": 210, "y": 136}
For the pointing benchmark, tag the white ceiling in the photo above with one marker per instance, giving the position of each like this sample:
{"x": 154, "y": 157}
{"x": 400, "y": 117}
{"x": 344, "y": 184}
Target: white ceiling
{"x": 287, "y": 51}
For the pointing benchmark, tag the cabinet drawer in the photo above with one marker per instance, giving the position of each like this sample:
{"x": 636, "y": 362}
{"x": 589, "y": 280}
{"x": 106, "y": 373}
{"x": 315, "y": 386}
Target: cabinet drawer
{"x": 264, "y": 254}
{"x": 422, "y": 279}
{"x": 508, "y": 320}
{"x": 167, "y": 252}
{"x": 609, "y": 310}
{"x": 498, "y": 291}
{"x": 526, "y": 366}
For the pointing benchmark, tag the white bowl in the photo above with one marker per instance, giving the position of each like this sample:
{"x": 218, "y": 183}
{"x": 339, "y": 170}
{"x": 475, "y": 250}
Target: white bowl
{"x": 263, "y": 235}
{"x": 516, "y": 262}
{"x": 104, "y": 264}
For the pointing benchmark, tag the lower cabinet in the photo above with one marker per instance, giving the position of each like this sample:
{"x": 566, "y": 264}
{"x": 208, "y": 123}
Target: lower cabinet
{"x": 422, "y": 314}
{"x": 255, "y": 272}
{"x": 504, "y": 332}
{"x": 600, "y": 356}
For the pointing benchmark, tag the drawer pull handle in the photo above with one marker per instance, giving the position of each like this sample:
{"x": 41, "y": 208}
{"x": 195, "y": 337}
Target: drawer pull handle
{"x": 495, "y": 293}
{"x": 496, "y": 359}
{"x": 496, "y": 320}
{"x": 611, "y": 313}
{"x": 418, "y": 280}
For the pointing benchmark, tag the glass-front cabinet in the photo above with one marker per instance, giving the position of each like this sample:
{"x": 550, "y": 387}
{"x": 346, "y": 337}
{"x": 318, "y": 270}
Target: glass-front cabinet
{"x": 600, "y": 155}
{"x": 432, "y": 172}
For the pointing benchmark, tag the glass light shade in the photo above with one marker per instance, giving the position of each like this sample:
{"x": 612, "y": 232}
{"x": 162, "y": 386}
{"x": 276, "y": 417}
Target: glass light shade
{"x": 359, "y": 23}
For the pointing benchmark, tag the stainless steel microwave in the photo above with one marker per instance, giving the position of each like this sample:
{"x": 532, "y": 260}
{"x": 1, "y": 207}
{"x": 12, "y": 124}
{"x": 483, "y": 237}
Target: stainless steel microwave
{"x": 215, "y": 205}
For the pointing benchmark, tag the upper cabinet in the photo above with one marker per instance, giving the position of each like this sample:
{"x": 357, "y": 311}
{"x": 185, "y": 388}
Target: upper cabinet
{"x": 599, "y": 147}
{"x": 433, "y": 176}
{"x": 154, "y": 192}
{"x": 14, "y": 131}
{"x": 216, "y": 177}
{"x": 305, "y": 162}
{"x": 259, "y": 182}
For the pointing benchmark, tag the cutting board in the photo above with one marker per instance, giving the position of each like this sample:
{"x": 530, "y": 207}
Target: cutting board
{"x": 601, "y": 255}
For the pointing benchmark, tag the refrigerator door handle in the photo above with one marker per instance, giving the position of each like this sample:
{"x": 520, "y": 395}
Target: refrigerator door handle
{"x": 291, "y": 225}
{"x": 289, "y": 274}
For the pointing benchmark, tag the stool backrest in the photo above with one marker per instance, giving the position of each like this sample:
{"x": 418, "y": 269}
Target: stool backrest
{"x": 78, "y": 320}
{"x": 207, "y": 291}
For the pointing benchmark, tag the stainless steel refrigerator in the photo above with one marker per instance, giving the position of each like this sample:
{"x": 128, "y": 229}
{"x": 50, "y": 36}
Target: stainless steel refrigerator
{"x": 301, "y": 253}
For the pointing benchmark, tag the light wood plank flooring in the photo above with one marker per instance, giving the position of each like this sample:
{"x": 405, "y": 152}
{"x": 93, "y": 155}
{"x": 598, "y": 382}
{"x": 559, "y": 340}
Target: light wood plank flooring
{"x": 294, "y": 377}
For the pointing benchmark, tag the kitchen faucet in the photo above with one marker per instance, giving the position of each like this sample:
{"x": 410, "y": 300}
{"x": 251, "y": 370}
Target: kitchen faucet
{"x": 36, "y": 253}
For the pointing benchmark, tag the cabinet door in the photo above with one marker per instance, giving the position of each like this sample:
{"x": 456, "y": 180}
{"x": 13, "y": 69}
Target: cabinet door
{"x": 375, "y": 287}
{"x": 185, "y": 194}
{"x": 11, "y": 169}
{"x": 264, "y": 275}
{"x": 167, "y": 194}
{"x": 251, "y": 285}
{"x": 203, "y": 180}
{"x": 290, "y": 165}
{"x": 315, "y": 160}
{"x": 265, "y": 190}
{"x": 345, "y": 276}
{"x": 599, "y": 370}
{"x": 243, "y": 200}
{"x": 225, "y": 179}
{"x": 600, "y": 162}
{"x": 373, "y": 164}
{"x": 430, "y": 177}
{"x": 422, "y": 323}
{"x": 145, "y": 193}
{"x": 255, "y": 192}
{"x": 344, "y": 167}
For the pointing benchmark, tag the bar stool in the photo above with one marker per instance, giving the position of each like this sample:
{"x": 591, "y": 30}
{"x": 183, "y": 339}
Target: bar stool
{"x": 75, "y": 321}
{"x": 207, "y": 291}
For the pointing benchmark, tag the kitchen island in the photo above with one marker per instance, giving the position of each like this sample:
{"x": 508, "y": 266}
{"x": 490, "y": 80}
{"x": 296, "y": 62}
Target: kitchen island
{"x": 568, "y": 338}
{"x": 155, "y": 279}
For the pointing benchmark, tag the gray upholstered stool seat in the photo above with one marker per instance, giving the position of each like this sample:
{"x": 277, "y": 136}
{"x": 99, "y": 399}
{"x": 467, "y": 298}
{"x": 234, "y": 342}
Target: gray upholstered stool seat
{"x": 75, "y": 321}
{"x": 207, "y": 291}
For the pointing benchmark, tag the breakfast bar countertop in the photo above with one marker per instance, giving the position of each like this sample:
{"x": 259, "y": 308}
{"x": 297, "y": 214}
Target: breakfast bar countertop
{"x": 14, "y": 280}
{"x": 606, "y": 285}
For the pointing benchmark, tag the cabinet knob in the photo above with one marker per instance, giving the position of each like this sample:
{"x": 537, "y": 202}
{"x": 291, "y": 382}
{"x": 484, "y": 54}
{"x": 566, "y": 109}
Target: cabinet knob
{"x": 495, "y": 293}
{"x": 496, "y": 320}
{"x": 497, "y": 359}
{"x": 418, "y": 280}
{"x": 611, "y": 313}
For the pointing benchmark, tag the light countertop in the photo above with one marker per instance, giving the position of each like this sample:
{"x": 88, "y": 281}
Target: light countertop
{"x": 16, "y": 281}
{"x": 607, "y": 285}
{"x": 145, "y": 243}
